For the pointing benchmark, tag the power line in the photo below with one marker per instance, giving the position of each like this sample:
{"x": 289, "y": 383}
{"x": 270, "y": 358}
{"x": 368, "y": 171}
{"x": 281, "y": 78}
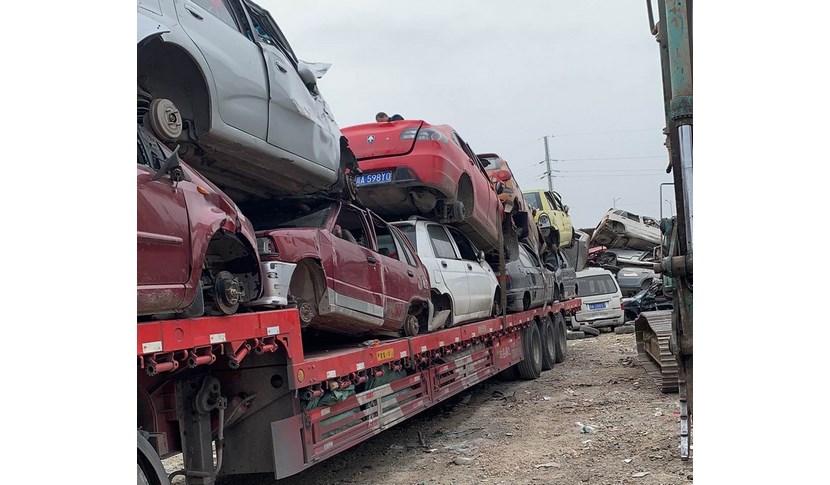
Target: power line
{"x": 605, "y": 132}
{"x": 612, "y": 170}
{"x": 605, "y": 158}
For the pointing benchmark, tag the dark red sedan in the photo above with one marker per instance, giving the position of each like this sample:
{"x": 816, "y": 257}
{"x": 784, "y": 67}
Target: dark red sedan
{"x": 355, "y": 274}
{"x": 196, "y": 251}
{"x": 411, "y": 167}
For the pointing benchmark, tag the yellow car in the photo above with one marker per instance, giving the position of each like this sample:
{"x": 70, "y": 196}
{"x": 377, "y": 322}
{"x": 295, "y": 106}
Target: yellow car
{"x": 551, "y": 216}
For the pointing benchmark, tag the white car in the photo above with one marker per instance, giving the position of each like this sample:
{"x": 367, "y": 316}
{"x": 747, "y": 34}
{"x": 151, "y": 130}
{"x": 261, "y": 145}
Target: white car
{"x": 601, "y": 299}
{"x": 464, "y": 287}
{"x": 220, "y": 79}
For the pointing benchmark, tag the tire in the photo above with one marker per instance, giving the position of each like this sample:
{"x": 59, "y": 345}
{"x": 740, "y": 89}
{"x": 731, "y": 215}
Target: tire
{"x": 575, "y": 335}
{"x": 150, "y": 469}
{"x": 589, "y": 330}
{"x": 622, "y": 329}
{"x": 531, "y": 366}
{"x": 526, "y": 302}
{"x": 561, "y": 338}
{"x": 549, "y": 341}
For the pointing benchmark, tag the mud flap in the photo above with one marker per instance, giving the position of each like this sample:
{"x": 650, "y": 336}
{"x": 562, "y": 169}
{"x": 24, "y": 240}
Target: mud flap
{"x": 286, "y": 446}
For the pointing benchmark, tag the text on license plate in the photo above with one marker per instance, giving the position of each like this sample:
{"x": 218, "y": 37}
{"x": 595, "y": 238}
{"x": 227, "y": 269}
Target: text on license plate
{"x": 596, "y": 306}
{"x": 373, "y": 178}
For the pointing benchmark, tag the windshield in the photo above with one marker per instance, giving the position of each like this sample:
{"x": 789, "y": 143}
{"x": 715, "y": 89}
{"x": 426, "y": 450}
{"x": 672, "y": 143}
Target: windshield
{"x": 275, "y": 220}
{"x": 533, "y": 200}
{"x": 597, "y": 285}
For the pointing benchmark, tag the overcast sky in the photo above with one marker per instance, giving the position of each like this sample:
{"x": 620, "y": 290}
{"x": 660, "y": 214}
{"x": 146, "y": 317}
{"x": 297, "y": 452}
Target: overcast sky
{"x": 505, "y": 74}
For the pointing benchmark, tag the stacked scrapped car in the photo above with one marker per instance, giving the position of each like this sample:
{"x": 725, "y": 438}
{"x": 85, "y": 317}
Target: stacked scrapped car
{"x": 355, "y": 274}
{"x": 623, "y": 229}
{"x": 464, "y": 287}
{"x": 529, "y": 283}
{"x": 412, "y": 167}
{"x": 551, "y": 216}
{"x": 220, "y": 79}
{"x": 196, "y": 251}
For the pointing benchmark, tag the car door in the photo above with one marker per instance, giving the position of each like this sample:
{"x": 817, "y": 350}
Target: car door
{"x": 400, "y": 282}
{"x": 453, "y": 270}
{"x": 163, "y": 232}
{"x": 536, "y": 284}
{"x": 218, "y": 28}
{"x": 356, "y": 272}
{"x": 297, "y": 121}
{"x": 480, "y": 276}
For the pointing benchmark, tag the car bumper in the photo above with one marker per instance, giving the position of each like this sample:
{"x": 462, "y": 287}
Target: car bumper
{"x": 597, "y": 319}
{"x": 276, "y": 276}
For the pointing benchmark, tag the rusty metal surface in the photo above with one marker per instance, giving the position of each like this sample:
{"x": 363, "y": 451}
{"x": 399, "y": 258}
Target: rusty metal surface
{"x": 653, "y": 333}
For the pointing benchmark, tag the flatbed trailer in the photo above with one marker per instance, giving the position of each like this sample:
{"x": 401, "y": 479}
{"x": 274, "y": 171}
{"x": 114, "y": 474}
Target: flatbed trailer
{"x": 246, "y": 383}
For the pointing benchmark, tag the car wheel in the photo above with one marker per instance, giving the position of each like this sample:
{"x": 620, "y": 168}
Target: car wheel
{"x": 526, "y": 302}
{"x": 411, "y": 325}
{"x": 458, "y": 211}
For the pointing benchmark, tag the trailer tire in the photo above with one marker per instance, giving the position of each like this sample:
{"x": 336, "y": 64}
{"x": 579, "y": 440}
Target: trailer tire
{"x": 561, "y": 338}
{"x": 549, "y": 343}
{"x": 150, "y": 469}
{"x": 531, "y": 366}
{"x": 589, "y": 330}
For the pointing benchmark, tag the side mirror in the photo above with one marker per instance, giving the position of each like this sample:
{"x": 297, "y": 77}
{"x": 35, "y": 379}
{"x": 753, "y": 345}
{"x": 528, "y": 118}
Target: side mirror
{"x": 171, "y": 165}
{"x": 481, "y": 256}
{"x": 306, "y": 74}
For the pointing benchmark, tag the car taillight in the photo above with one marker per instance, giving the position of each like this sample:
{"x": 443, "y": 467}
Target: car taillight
{"x": 424, "y": 134}
{"x": 507, "y": 279}
{"x": 267, "y": 249}
{"x": 503, "y": 175}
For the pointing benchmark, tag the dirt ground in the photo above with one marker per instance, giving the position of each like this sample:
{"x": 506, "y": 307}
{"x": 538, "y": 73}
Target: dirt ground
{"x": 524, "y": 432}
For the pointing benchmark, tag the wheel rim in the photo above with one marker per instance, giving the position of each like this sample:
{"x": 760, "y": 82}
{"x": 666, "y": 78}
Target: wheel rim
{"x": 411, "y": 325}
{"x": 165, "y": 119}
{"x": 306, "y": 313}
{"x": 550, "y": 342}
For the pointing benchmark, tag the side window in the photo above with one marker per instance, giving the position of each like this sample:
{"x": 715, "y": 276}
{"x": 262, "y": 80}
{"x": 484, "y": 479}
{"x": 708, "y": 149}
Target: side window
{"x": 349, "y": 226}
{"x": 633, "y": 217}
{"x": 387, "y": 245}
{"x": 270, "y": 33}
{"x": 404, "y": 250}
{"x": 465, "y": 247}
{"x": 441, "y": 242}
{"x": 525, "y": 258}
{"x": 552, "y": 202}
{"x": 219, "y": 9}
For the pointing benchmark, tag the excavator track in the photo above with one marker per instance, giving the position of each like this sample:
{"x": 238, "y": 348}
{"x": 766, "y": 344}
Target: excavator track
{"x": 653, "y": 333}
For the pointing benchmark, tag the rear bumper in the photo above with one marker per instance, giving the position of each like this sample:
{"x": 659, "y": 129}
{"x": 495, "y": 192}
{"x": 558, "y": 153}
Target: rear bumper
{"x": 597, "y": 319}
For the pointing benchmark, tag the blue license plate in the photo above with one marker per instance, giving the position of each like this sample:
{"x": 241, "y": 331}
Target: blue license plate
{"x": 373, "y": 178}
{"x": 596, "y": 306}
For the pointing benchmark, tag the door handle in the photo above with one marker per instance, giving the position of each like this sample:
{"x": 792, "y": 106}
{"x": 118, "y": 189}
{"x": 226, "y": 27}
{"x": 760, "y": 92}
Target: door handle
{"x": 282, "y": 69}
{"x": 410, "y": 273}
{"x": 371, "y": 260}
{"x": 193, "y": 13}
{"x": 443, "y": 264}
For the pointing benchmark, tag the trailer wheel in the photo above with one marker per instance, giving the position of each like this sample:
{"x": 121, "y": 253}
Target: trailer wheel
{"x": 531, "y": 366}
{"x": 150, "y": 469}
{"x": 549, "y": 341}
{"x": 561, "y": 338}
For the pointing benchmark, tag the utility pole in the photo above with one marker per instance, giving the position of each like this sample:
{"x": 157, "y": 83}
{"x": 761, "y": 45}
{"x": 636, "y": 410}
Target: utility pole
{"x": 547, "y": 164}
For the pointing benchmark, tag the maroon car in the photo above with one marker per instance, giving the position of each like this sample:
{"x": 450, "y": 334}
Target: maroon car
{"x": 413, "y": 167}
{"x": 355, "y": 273}
{"x": 196, "y": 251}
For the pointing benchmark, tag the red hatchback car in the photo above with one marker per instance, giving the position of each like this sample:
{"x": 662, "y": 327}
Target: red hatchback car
{"x": 355, "y": 274}
{"x": 196, "y": 251}
{"x": 411, "y": 166}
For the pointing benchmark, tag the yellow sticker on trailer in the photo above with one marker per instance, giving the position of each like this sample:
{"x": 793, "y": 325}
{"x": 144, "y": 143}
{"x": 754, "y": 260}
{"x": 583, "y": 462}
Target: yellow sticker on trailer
{"x": 384, "y": 354}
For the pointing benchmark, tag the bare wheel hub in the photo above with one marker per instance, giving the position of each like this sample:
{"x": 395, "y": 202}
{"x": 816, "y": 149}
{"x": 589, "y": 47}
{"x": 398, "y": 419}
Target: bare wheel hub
{"x": 227, "y": 292}
{"x": 306, "y": 312}
{"x": 165, "y": 119}
{"x": 411, "y": 325}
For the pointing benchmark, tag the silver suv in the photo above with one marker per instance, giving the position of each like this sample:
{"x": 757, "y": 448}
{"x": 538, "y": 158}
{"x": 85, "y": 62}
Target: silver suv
{"x": 219, "y": 78}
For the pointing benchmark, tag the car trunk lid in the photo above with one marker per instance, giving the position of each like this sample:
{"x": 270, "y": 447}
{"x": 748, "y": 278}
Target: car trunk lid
{"x": 373, "y": 140}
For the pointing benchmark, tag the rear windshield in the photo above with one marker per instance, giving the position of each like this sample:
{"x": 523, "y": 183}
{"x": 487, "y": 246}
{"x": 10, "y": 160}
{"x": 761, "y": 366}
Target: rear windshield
{"x": 276, "y": 220}
{"x": 597, "y": 285}
{"x": 495, "y": 163}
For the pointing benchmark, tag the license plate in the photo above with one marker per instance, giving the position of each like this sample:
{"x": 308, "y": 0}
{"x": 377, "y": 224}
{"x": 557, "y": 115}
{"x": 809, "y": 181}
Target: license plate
{"x": 373, "y": 178}
{"x": 596, "y": 306}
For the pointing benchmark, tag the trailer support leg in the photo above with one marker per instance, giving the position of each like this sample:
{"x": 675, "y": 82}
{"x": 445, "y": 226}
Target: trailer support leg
{"x": 195, "y": 399}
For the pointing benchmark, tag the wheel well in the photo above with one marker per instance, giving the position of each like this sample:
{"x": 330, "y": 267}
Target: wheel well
{"x": 168, "y": 71}
{"x": 311, "y": 288}
{"x": 465, "y": 192}
{"x": 441, "y": 301}
{"x": 420, "y": 309}
{"x": 227, "y": 252}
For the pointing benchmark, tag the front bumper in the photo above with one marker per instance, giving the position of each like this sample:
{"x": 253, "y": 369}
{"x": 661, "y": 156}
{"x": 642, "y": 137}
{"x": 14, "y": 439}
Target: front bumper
{"x": 276, "y": 276}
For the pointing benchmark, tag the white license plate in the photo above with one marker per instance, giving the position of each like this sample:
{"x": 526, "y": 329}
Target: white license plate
{"x": 373, "y": 178}
{"x": 596, "y": 306}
